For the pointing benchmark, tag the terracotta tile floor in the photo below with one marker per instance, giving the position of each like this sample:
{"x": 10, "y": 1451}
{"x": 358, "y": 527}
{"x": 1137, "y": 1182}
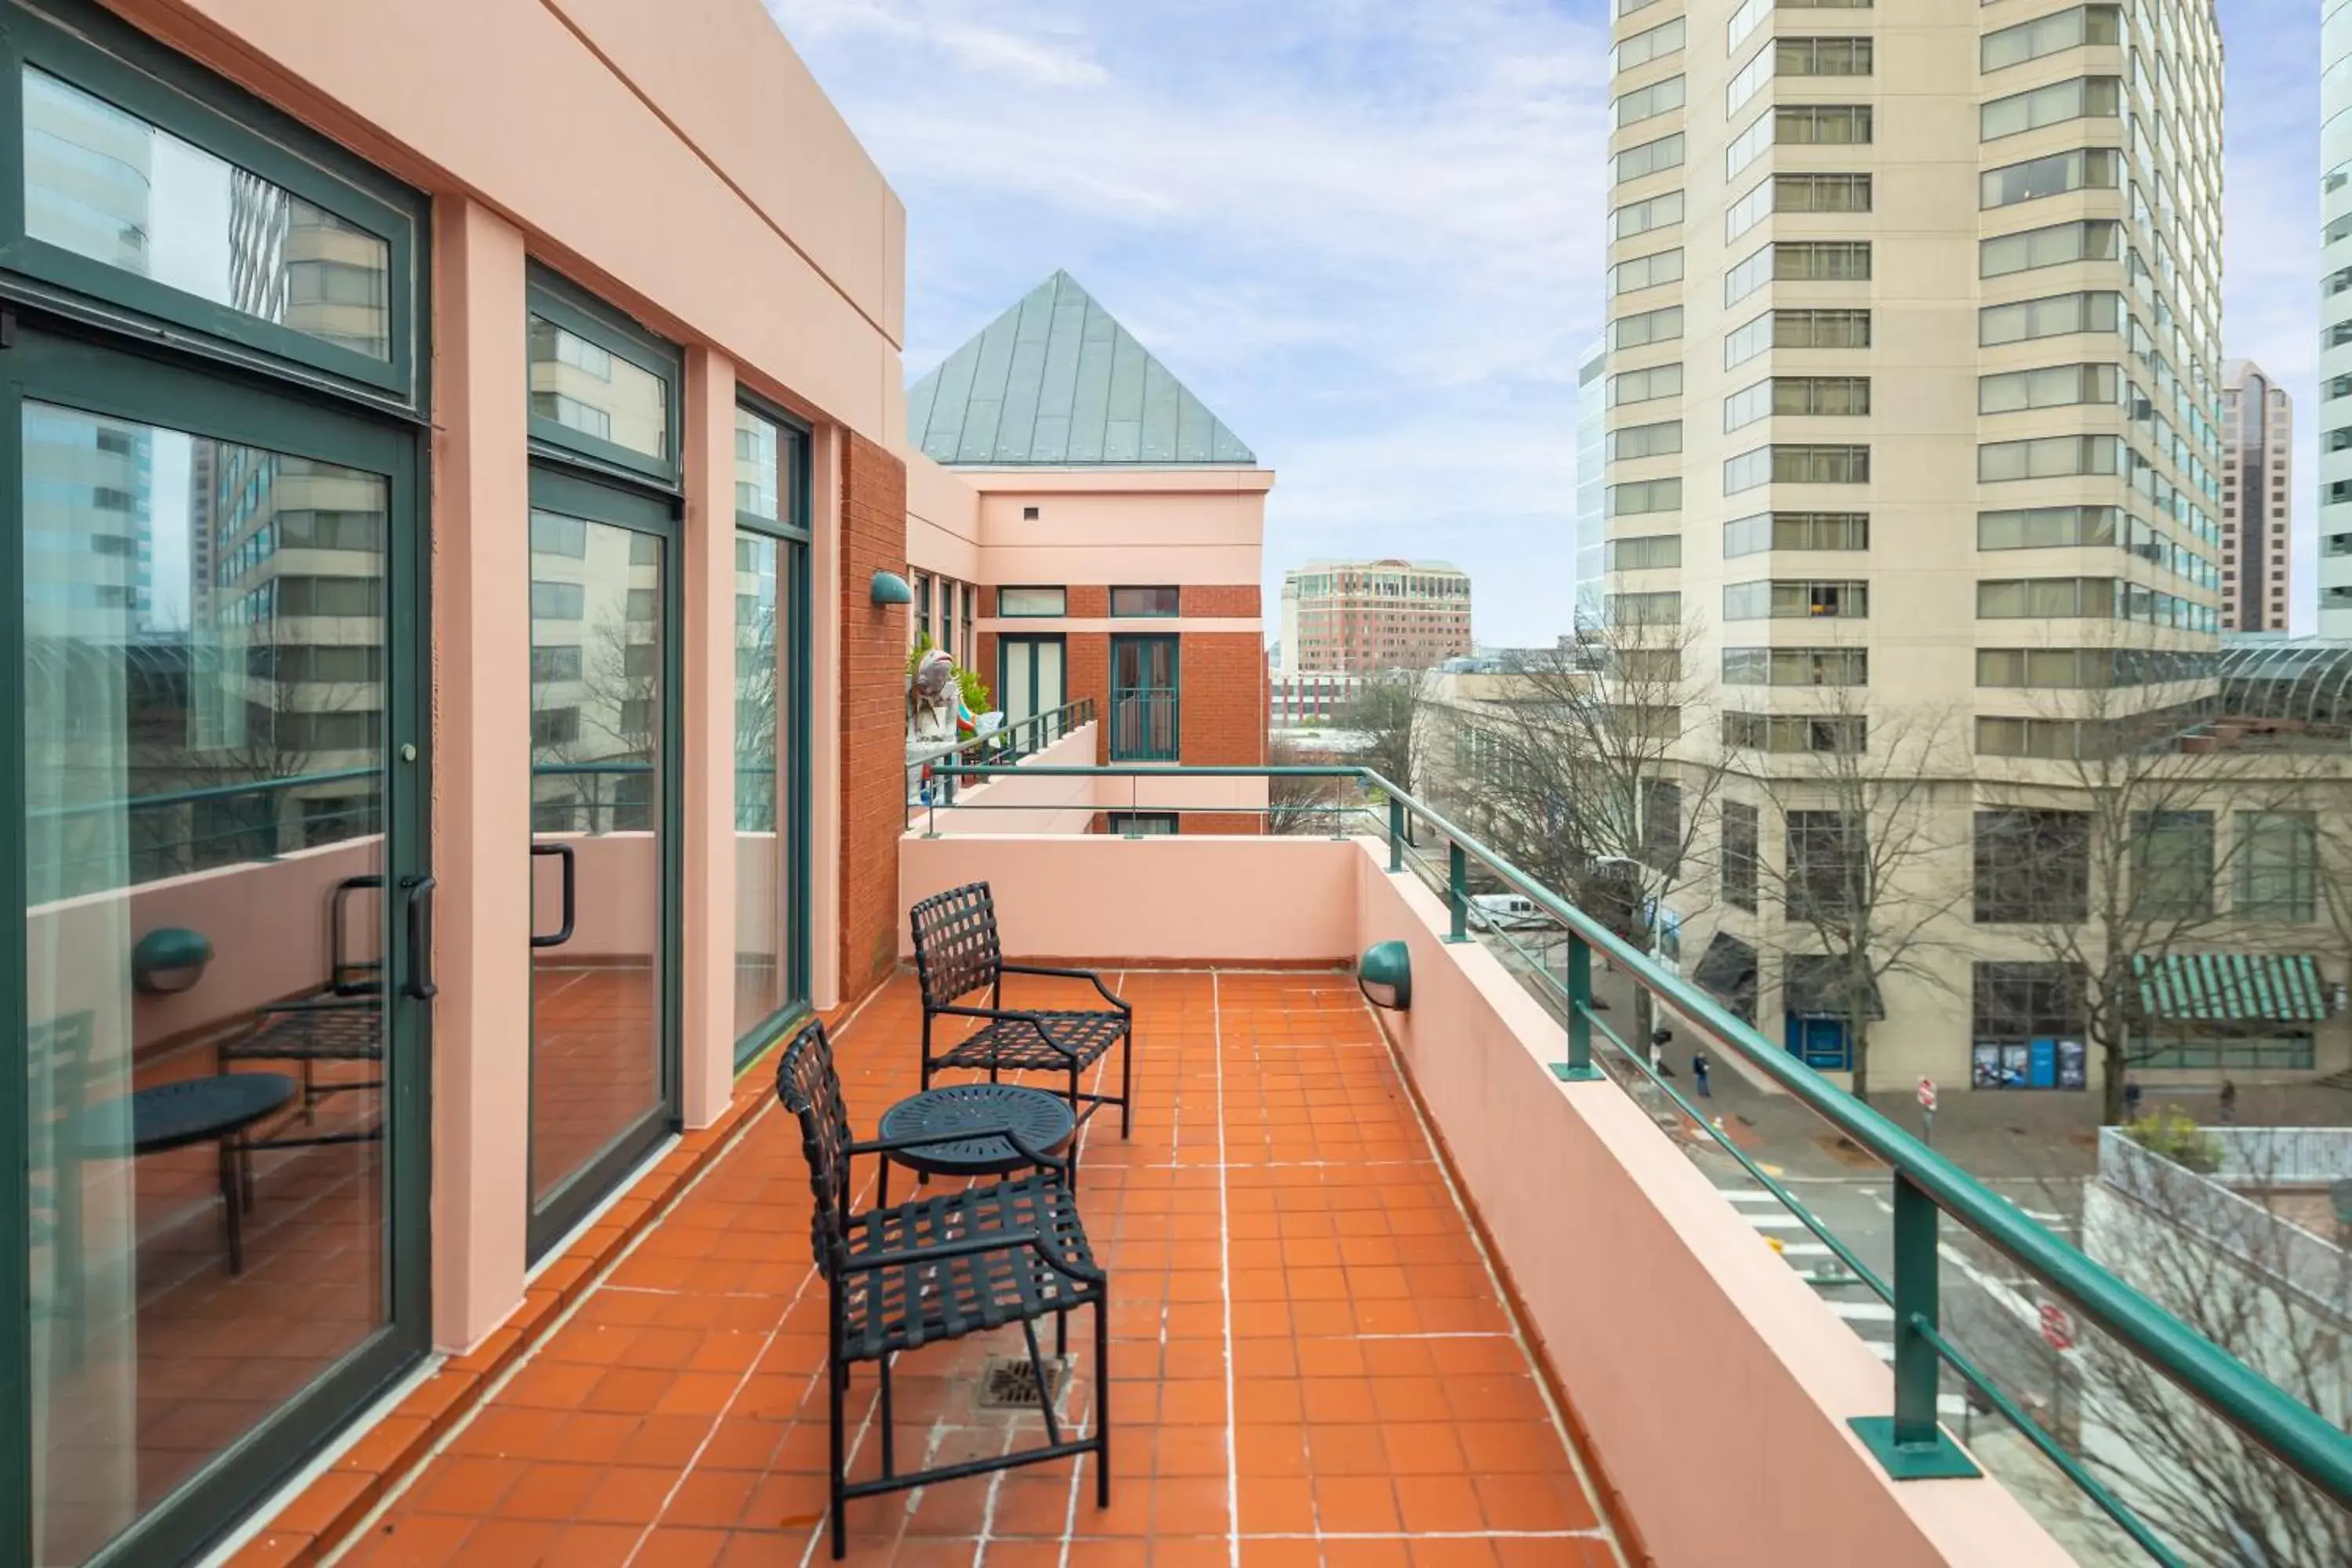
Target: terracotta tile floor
{"x": 1310, "y": 1362}
{"x": 595, "y": 1064}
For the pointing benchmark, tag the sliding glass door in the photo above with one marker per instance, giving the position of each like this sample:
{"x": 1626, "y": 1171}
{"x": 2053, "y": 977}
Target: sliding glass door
{"x": 224, "y": 906}
{"x": 606, "y": 729}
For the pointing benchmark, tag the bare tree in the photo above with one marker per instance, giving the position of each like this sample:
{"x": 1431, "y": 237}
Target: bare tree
{"x": 1387, "y": 714}
{"x": 2105, "y": 851}
{"x": 2229, "y": 1261}
{"x": 1594, "y": 768}
{"x": 1295, "y": 802}
{"x": 1869, "y": 878}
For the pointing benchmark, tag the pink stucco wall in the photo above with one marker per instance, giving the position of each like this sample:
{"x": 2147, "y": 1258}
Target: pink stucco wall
{"x": 1235, "y": 899}
{"x": 1694, "y": 1357}
{"x": 1012, "y": 804}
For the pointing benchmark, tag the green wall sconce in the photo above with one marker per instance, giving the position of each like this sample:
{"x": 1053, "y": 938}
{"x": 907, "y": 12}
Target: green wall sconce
{"x": 169, "y": 959}
{"x": 1385, "y": 975}
{"x": 889, "y": 588}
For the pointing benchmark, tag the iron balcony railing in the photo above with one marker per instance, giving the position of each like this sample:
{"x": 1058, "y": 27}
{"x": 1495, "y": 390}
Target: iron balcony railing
{"x": 1143, "y": 725}
{"x": 929, "y": 786}
{"x": 1909, "y": 1443}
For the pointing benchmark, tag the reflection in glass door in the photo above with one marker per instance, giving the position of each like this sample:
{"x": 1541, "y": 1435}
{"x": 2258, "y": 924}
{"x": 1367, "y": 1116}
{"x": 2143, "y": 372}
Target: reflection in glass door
{"x": 215, "y": 905}
{"x": 601, "y": 978}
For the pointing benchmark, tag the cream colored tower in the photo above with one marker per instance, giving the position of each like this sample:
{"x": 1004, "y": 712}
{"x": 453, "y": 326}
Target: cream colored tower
{"x": 1914, "y": 373}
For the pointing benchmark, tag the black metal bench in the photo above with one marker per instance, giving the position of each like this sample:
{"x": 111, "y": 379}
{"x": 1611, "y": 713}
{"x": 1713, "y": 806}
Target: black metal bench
{"x": 957, "y": 954}
{"x": 938, "y": 1268}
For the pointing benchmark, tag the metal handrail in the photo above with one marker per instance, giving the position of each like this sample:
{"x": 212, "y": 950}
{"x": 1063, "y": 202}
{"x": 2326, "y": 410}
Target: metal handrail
{"x": 1925, "y": 1181}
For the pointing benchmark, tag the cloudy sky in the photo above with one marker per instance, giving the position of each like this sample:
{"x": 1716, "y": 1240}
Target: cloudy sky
{"x": 1367, "y": 233}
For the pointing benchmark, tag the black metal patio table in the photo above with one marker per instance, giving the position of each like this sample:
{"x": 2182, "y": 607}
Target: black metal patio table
{"x": 214, "y": 1110}
{"x": 1007, "y": 1125}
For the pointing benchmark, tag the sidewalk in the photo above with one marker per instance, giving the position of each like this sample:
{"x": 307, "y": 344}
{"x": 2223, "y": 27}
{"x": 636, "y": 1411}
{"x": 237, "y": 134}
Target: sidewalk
{"x": 1993, "y": 1133}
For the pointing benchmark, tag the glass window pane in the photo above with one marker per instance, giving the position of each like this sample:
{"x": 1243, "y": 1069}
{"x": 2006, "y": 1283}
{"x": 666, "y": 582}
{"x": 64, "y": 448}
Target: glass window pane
{"x": 764, "y": 875}
{"x": 759, "y": 474}
{"x": 584, "y": 387}
{"x": 1031, "y": 602}
{"x": 104, "y": 184}
{"x": 200, "y": 754}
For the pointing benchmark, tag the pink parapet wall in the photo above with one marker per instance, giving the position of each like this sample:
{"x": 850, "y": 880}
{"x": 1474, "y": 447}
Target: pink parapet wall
{"x": 1697, "y": 1363}
{"x": 1212, "y": 898}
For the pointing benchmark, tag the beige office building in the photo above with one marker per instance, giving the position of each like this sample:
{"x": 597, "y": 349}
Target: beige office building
{"x": 2257, "y": 470}
{"x": 1914, "y": 391}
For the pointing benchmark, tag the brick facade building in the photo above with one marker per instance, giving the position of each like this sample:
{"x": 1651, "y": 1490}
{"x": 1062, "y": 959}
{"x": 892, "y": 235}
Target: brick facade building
{"x": 1105, "y": 529}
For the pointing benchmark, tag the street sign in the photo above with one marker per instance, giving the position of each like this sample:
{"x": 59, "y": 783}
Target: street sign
{"x": 2057, "y": 1326}
{"x": 1927, "y": 1094}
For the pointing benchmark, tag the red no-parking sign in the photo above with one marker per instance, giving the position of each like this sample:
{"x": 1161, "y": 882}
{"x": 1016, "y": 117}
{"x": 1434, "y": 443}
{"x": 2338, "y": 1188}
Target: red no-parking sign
{"x": 2057, "y": 1326}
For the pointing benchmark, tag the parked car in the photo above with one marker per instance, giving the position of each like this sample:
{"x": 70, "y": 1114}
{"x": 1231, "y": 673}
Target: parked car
{"x": 1507, "y": 911}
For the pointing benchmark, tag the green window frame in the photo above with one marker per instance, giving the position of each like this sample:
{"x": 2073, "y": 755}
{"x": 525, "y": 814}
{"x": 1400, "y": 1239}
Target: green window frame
{"x": 1005, "y": 612}
{"x": 1147, "y": 717}
{"x": 136, "y": 75}
{"x": 562, "y": 304}
{"x": 791, "y": 527}
{"x": 1164, "y": 602}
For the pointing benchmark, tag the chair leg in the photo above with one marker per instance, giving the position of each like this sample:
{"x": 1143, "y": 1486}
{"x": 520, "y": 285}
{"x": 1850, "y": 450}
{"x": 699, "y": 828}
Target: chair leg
{"x": 1045, "y": 1384}
{"x": 1062, "y": 1334}
{"x": 1126, "y": 1081}
{"x": 232, "y": 1207}
{"x": 889, "y": 1424}
{"x": 1102, "y": 1401}
{"x": 837, "y": 1375}
{"x": 1074, "y": 1094}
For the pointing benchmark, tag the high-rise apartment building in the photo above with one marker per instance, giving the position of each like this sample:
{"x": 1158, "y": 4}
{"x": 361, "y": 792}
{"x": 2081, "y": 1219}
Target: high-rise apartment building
{"x": 2336, "y": 320}
{"x": 2257, "y": 446}
{"x": 1913, "y": 390}
{"x": 1361, "y": 617}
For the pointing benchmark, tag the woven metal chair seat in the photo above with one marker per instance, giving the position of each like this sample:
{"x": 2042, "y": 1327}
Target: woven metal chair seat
{"x": 325, "y": 1030}
{"x": 1011, "y": 1045}
{"x": 900, "y": 1307}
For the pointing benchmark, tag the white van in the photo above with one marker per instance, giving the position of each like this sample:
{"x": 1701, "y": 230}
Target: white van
{"x": 1507, "y": 911}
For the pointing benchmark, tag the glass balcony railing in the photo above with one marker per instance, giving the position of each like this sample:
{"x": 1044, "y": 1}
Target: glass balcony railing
{"x": 2081, "y": 1386}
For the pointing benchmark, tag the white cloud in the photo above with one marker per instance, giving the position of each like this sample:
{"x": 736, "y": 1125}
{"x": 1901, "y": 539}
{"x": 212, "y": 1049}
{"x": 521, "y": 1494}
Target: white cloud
{"x": 1368, "y": 235}
{"x": 946, "y": 27}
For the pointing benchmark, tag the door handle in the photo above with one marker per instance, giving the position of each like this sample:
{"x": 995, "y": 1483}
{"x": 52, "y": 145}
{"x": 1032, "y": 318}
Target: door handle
{"x": 420, "y": 984}
{"x": 571, "y": 881}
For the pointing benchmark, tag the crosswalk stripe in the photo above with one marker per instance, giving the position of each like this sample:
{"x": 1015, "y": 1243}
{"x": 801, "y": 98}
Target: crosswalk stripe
{"x": 1885, "y": 1349}
{"x": 1864, "y": 1311}
{"x": 1776, "y": 1222}
{"x": 1749, "y": 1195}
{"x": 1806, "y": 1249}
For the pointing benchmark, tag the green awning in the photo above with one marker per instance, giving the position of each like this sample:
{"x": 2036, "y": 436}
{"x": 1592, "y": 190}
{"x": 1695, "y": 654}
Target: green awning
{"x": 2231, "y": 988}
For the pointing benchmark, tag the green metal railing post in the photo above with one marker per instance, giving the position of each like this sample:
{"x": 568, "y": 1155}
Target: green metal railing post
{"x": 1396, "y": 834}
{"x": 1457, "y": 889}
{"x": 1910, "y": 1444}
{"x": 1579, "y": 1068}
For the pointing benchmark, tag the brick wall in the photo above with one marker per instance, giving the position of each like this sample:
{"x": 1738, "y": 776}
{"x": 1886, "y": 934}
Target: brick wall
{"x": 1222, "y": 715}
{"x": 873, "y": 714}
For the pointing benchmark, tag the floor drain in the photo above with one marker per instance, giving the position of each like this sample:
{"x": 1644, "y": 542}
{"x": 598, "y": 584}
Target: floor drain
{"x": 1010, "y": 1382}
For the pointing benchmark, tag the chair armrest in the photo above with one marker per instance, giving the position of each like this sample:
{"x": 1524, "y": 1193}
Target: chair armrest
{"x": 1009, "y": 1016}
{"x": 1113, "y": 997}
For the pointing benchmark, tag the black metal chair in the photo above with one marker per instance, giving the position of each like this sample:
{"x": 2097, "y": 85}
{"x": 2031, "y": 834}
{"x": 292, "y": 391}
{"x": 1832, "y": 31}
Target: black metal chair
{"x": 939, "y": 1268}
{"x": 957, "y": 954}
{"x": 343, "y": 1021}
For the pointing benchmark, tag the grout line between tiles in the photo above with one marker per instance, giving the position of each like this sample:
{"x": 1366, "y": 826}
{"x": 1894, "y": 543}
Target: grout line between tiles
{"x": 1226, "y": 1280}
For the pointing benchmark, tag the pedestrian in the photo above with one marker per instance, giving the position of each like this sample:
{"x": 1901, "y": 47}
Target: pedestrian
{"x": 2229, "y": 1101}
{"x": 1699, "y": 1074}
{"x": 2131, "y": 1100}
